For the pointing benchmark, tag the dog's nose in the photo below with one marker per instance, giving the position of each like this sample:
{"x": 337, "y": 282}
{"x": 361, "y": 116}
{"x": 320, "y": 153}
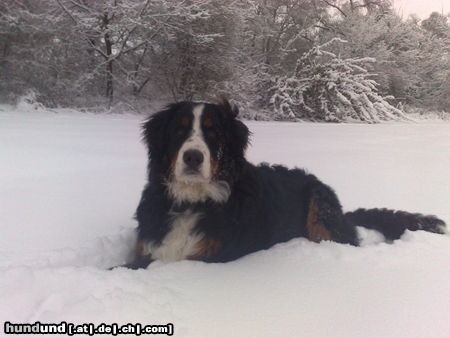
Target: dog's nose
{"x": 193, "y": 158}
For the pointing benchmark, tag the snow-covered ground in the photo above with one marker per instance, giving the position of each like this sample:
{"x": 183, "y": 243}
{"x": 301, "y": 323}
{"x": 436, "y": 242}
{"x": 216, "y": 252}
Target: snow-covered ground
{"x": 69, "y": 184}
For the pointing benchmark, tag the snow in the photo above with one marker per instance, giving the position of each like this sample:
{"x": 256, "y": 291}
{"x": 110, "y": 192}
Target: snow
{"x": 70, "y": 183}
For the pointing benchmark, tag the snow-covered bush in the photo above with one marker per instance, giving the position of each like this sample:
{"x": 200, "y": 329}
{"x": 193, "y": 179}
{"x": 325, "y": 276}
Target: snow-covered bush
{"x": 29, "y": 102}
{"x": 325, "y": 87}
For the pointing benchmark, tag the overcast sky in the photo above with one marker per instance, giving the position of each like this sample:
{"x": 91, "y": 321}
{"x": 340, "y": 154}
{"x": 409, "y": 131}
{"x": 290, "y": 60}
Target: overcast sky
{"x": 422, "y": 8}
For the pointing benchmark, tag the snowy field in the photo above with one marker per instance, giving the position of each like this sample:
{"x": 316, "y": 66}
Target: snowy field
{"x": 69, "y": 184}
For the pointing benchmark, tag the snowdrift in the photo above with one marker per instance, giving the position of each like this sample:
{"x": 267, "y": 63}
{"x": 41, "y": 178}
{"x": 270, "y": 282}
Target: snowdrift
{"x": 70, "y": 182}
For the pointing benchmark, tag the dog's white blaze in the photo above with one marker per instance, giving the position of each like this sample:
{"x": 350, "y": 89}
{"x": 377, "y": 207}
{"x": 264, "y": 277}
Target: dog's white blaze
{"x": 196, "y": 129}
{"x": 189, "y": 188}
{"x": 180, "y": 242}
{"x": 194, "y": 142}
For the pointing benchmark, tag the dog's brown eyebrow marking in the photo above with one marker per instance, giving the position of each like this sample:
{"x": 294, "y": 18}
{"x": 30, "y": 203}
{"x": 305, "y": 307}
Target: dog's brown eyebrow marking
{"x": 208, "y": 123}
{"x": 185, "y": 121}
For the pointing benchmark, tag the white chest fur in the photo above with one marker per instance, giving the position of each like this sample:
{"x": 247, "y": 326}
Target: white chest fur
{"x": 179, "y": 242}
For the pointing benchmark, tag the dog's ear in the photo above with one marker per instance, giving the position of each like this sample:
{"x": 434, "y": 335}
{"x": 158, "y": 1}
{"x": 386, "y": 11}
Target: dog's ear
{"x": 229, "y": 108}
{"x": 154, "y": 131}
{"x": 240, "y": 133}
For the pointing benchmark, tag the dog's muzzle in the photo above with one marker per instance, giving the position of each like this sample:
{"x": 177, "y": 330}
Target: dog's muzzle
{"x": 193, "y": 164}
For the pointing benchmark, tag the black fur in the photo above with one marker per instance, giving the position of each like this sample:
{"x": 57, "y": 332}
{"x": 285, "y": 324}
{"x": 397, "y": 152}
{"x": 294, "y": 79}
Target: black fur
{"x": 267, "y": 204}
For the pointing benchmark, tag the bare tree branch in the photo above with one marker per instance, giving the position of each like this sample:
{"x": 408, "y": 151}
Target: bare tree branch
{"x": 86, "y": 37}
{"x": 335, "y": 6}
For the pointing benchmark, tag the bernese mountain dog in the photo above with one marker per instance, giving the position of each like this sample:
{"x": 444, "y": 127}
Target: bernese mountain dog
{"x": 204, "y": 201}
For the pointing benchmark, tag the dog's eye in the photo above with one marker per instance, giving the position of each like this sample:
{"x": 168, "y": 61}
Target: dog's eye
{"x": 211, "y": 134}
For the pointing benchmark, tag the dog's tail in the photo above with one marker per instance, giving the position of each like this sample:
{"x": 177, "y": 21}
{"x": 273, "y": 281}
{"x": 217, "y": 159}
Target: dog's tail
{"x": 392, "y": 224}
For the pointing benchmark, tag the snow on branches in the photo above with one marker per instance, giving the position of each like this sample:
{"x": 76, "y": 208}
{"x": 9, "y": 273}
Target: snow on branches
{"x": 325, "y": 87}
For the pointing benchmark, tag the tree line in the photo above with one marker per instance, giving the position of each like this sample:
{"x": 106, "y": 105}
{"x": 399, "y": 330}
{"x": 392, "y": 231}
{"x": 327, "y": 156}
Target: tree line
{"x": 327, "y": 60}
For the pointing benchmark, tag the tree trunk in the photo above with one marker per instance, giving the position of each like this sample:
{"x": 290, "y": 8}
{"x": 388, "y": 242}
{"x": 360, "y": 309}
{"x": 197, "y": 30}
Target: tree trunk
{"x": 137, "y": 88}
{"x": 109, "y": 72}
{"x": 352, "y": 5}
{"x": 109, "y": 64}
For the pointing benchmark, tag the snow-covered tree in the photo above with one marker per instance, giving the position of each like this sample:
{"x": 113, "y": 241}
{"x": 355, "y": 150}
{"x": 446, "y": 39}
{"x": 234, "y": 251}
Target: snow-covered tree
{"x": 27, "y": 35}
{"x": 325, "y": 87}
{"x": 412, "y": 58}
{"x": 85, "y": 53}
{"x": 197, "y": 53}
{"x": 122, "y": 35}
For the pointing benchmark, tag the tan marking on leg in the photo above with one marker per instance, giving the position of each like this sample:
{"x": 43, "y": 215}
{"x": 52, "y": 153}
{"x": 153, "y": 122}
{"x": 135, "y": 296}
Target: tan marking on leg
{"x": 316, "y": 230}
{"x": 206, "y": 248}
{"x": 140, "y": 246}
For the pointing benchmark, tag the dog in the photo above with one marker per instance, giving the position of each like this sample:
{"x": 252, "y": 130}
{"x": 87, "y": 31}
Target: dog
{"x": 204, "y": 201}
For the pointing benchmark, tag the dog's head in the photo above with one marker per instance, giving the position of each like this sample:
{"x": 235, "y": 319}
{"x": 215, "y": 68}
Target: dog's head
{"x": 196, "y": 149}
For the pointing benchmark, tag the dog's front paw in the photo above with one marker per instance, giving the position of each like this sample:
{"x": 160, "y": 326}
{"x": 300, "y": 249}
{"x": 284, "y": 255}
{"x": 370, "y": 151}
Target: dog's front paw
{"x": 140, "y": 262}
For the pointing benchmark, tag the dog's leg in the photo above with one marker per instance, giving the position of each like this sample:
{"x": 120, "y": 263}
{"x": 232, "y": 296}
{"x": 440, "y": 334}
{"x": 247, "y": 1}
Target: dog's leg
{"x": 325, "y": 219}
{"x": 316, "y": 229}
